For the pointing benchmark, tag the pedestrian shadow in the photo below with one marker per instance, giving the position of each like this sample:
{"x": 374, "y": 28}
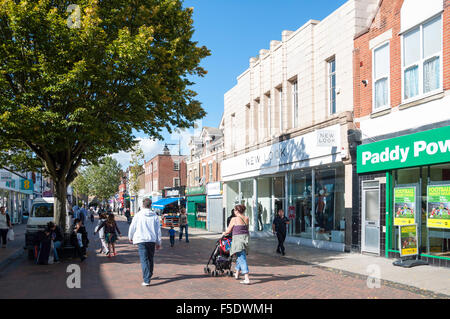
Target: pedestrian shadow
{"x": 270, "y": 277}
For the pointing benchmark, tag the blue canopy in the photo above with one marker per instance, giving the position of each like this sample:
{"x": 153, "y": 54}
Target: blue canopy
{"x": 160, "y": 204}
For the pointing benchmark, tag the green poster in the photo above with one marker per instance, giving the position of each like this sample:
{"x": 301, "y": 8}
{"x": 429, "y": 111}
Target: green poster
{"x": 404, "y": 205}
{"x": 408, "y": 240}
{"x": 438, "y": 206}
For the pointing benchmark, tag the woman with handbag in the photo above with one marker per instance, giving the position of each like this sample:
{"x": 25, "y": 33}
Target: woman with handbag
{"x": 5, "y": 225}
{"x": 239, "y": 246}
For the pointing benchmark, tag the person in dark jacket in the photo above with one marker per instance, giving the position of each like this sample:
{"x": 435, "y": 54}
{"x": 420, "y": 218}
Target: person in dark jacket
{"x": 279, "y": 229}
{"x": 231, "y": 216}
{"x": 56, "y": 237}
{"x": 79, "y": 239}
{"x": 45, "y": 244}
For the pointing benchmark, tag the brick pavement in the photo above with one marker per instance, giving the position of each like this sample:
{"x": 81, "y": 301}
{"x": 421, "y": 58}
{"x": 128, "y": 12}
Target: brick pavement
{"x": 178, "y": 274}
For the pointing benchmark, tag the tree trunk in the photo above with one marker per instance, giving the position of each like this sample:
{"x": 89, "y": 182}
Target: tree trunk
{"x": 60, "y": 203}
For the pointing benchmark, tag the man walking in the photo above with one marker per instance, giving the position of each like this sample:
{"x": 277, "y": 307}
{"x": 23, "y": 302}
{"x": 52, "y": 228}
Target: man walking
{"x": 145, "y": 231}
{"x": 183, "y": 224}
{"x": 279, "y": 228}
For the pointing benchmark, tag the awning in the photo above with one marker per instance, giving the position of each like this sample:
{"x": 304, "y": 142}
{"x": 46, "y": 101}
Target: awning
{"x": 160, "y": 204}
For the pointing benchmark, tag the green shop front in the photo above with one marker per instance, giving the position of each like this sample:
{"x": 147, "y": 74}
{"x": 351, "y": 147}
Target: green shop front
{"x": 196, "y": 206}
{"x": 403, "y": 181}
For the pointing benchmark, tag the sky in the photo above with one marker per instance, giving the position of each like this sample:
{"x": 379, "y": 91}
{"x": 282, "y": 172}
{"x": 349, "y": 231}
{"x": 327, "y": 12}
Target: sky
{"x": 234, "y": 31}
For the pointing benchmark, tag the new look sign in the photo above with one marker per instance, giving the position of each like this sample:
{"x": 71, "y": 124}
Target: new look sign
{"x": 424, "y": 148}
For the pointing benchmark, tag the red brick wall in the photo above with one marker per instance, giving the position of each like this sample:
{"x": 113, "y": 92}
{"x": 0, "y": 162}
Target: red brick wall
{"x": 167, "y": 173}
{"x": 388, "y": 18}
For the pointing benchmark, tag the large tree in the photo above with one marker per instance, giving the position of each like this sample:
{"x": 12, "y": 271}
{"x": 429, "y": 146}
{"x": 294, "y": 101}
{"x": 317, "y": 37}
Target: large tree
{"x": 103, "y": 179}
{"x": 77, "y": 81}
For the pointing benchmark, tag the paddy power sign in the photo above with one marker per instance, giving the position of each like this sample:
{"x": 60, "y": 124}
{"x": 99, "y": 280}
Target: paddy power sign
{"x": 424, "y": 148}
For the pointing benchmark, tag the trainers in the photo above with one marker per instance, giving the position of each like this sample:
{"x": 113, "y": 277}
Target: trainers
{"x": 245, "y": 282}
{"x": 145, "y": 284}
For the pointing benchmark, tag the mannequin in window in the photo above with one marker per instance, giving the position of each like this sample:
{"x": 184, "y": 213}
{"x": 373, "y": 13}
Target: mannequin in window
{"x": 320, "y": 209}
{"x": 260, "y": 212}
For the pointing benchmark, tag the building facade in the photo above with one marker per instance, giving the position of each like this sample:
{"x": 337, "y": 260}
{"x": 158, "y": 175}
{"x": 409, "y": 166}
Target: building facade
{"x": 286, "y": 127}
{"x": 164, "y": 171}
{"x": 401, "y": 83}
{"x": 204, "y": 191}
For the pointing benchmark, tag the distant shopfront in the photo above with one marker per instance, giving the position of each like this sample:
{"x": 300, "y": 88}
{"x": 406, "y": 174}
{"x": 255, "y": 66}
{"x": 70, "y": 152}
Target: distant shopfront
{"x": 304, "y": 176}
{"x": 16, "y": 194}
{"x": 406, "y": 180}
{"x": 196, "y": 206}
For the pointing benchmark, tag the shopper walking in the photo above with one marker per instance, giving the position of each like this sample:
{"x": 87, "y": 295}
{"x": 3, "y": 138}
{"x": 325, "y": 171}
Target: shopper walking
{"x": 101, "y": 234}
{"x": 239, "y": 246}
{"x": 5, "y": 225}
{"x": 111, "y": 230}
{"x": 279, "y": 228}
{"x": 183, "y": 224}
{"x": 145, "y": 232}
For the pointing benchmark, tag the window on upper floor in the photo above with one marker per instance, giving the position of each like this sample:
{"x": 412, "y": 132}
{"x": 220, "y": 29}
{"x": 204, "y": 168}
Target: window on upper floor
{"x": 381, "y": 69}
{"x": 280, "y": 104}
{"x": 176, "y": 182}
{"x": 203, "y": 170}
{"x": 210, "y": 169}
{"x": 422, "y": 60}
{"x": 294, "y": 85}
{"x": 332, "y": 85}
{"x": 176, "y": 165}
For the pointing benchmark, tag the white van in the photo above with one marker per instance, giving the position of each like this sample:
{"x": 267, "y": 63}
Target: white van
{"x": 41, "y": 213}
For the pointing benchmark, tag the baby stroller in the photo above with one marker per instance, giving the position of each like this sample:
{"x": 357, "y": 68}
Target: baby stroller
{"x": 220, "y": 258}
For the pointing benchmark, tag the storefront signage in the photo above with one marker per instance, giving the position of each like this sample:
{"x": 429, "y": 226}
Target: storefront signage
{"x": 408, "y": 240}
{"x": 26, "y": 185}
{"x": 5, "y": 176}
{"x": 438, "y": 206}
{"x": 214, "y": 188}
{"x": 195, "y": 190}
{"x": 424, "y": 148}
{"x": 326, "y": 138}
{"x": 404, "y": 205}
{"x": 315, "y": 148}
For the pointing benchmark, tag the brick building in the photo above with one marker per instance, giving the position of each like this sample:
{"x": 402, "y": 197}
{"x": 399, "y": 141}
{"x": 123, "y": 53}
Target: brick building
{"x": 164, "y": 171}
{"x": 401, "y": 72}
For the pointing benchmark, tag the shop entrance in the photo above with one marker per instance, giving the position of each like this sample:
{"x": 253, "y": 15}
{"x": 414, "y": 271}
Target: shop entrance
{"x": 370, "y": 234}
{"x": 279, "y": 195}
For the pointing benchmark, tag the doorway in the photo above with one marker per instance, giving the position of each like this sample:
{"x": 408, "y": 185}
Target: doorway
{"x": 370, "y": 223}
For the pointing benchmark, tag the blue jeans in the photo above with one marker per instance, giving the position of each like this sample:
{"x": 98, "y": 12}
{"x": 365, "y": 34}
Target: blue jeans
{"x": 172, "y": 240}
{"x": 181, "y": 232}
{"x": 146, "y": 253}
{"x": 241, "y": 262}
{"x": 56, "y": 245}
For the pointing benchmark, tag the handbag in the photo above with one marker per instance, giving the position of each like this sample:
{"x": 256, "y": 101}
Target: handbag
{"x": 10, "y": 234}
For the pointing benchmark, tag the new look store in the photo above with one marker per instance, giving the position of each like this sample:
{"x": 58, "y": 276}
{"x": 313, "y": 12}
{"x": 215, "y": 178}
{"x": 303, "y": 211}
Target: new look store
{"x": 406, "y": 181}
{"x": 304, "y": 176}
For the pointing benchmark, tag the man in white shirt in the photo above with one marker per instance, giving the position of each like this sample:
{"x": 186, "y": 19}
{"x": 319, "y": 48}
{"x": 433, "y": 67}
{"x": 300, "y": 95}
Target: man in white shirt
{"x": 145, "y": 231}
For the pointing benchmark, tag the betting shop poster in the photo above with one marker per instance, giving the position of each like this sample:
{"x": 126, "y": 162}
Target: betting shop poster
{"x": 438, "y": 206}
{"x": 408, "y": 240}
{"x": 404, "y": 205}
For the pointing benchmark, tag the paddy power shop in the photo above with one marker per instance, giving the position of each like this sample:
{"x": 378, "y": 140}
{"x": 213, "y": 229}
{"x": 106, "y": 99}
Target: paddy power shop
{"x": 196, "y": 206}
{"x": 406, "y": 181}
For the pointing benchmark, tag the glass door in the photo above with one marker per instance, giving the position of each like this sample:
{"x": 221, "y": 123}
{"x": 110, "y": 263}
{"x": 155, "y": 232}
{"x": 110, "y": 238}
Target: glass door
{"x": 370, "y": 234}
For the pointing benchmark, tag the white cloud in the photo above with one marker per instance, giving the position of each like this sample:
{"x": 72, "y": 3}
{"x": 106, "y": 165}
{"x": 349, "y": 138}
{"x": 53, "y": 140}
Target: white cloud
{"x": 149, "y": 146}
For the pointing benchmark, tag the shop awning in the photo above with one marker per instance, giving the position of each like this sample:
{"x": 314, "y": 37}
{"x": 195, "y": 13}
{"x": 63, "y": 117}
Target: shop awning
{"x": 160, "y": 204}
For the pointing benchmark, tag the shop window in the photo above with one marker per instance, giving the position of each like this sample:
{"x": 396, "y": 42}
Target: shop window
{"x": 300, "y": 204}
{"x": 434, "y": 239}
{"x": 329, "y": 205}
{"x": 265, "y": 213}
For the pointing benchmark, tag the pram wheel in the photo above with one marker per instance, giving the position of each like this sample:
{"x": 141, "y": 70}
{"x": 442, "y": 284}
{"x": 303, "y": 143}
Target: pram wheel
{"x": 214, "y": 273}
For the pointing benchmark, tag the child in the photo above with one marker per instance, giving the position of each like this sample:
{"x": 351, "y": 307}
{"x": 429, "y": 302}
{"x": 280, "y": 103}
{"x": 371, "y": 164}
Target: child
{"x": 172, "y": 236}
{"x": 101, "y": 233}
{"x": 110, "y": 233}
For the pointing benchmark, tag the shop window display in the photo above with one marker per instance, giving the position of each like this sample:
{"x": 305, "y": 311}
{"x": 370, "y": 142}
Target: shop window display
{"x": 329, "y": 205}
{"x": 434, "y": 239}
{"x": 300, "y": 200}
{"x": 265, "y": 212}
